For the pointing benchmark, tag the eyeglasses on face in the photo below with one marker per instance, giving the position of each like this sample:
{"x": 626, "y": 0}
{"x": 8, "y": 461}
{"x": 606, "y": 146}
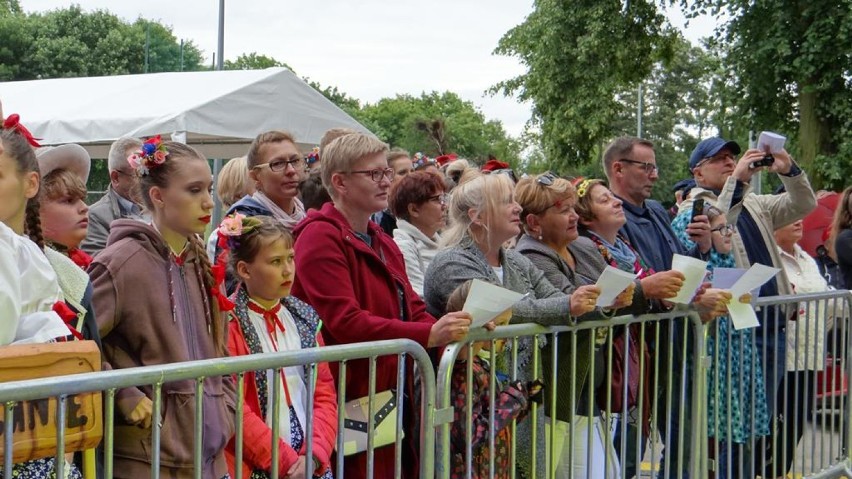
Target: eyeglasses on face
{"x": 724, "y": 230}
{"x": 648, "y": 167}
{"x": 442, "y": 198}
{"x": 717, "y": 158}
{"x": 377, "y": 174}
{"x": 278, "y": 166}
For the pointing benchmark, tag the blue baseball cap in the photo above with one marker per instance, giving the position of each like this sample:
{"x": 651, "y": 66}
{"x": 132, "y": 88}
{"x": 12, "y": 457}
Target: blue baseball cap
{"x": 710, "y": 147}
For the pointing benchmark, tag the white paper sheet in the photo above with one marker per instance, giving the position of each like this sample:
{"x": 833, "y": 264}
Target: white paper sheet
{"x": 612, "y": 282}
{"x": 742, "y": 314}
{"x": 486, "y": 301}
{"x": 694, "y": 270}
{"x": 774, "y": 141}
{"x": 725, "y": 278}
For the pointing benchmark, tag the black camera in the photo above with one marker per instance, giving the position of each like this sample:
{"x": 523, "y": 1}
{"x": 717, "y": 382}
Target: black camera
{"x": 767, "y": 160}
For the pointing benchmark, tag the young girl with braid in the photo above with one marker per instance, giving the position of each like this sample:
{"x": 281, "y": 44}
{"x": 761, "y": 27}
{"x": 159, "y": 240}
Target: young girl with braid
{"x": 268, "y": 319}
{"x": 158, "y": 303}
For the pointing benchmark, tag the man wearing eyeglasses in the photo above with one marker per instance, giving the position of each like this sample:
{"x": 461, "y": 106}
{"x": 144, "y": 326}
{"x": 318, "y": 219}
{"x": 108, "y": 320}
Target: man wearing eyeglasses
{"x": 630, "y": 165}
{"x": 724, "y": 181}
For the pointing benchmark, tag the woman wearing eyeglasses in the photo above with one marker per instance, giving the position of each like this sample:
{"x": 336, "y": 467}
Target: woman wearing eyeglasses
{"x": 736, "y": 405}
{"x": 277, "y": 167}
{"x": 419, "y": 202}
{"x": 483, "y": 215}
{"x": 354, "y": 275}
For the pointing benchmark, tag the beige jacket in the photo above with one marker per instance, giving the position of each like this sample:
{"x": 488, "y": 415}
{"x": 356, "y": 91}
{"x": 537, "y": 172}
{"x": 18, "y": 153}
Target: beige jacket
{"x": 769, "y": 212}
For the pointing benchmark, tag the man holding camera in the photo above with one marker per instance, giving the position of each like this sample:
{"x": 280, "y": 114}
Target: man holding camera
{"x": 724, "y": 180}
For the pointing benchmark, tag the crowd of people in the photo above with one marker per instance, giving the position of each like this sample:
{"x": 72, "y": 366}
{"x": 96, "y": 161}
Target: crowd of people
{"x": 355, "y": 242}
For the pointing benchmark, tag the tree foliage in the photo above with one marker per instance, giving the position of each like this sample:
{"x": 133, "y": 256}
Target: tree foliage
{"x": 254, "y": 61}
{"x": 579, "y": 55}
{"x": 792, "y": 72}
{"x": 72, "y": 43}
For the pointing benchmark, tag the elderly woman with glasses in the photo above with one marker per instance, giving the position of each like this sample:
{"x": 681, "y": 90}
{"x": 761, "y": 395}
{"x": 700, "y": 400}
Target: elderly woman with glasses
{"x": 277, "y": 168}
{"x": 419, "y": 203}
{"x": 354, "y": 275}
{"x": 572, "y": 264}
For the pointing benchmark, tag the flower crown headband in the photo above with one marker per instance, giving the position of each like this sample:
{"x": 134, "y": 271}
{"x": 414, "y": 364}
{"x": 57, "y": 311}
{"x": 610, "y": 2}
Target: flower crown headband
{"x": 232, "y": 228}
{"x": 152, "y": 155}
{"x": 583, "y": 185}
{"x": 313, "y": 156}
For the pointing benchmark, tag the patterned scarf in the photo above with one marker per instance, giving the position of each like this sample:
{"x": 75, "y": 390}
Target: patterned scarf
{"x": 287, "y": 220}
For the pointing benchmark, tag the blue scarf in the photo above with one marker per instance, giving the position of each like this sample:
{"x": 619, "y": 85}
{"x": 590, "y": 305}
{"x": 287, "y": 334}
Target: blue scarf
{"x": 623, "y": 255}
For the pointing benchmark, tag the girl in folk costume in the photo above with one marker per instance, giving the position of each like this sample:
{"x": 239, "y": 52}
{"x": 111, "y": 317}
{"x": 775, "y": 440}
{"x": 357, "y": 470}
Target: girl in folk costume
{"x": 31, "y": 295}
{"x": 267, "y": 319}
{"x": 159, "y": 302}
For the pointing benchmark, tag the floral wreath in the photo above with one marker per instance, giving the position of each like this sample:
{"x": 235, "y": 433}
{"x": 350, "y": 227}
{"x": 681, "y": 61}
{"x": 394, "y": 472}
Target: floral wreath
{"x": 313, "y": 156}
{"x": 583, "y": 184}
{"x": 152, "y": 155}
{"x": 231, "y": 229}
{"x": 421, "y": 161}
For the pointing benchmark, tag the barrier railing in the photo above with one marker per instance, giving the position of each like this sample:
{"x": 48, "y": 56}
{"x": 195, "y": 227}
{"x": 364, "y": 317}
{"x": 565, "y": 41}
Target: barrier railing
{"x": 109, "y": 382}
{"x": 651, "y": 384}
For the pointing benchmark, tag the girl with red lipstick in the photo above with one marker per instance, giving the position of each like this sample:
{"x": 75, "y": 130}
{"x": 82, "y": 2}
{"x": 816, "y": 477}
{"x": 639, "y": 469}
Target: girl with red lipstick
{"x": 267, "y": 319}
{"x": 158, "y": 302}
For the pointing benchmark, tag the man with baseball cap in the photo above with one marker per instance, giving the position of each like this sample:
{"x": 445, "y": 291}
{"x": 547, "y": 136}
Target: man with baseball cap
{"x": 723, "y": 180}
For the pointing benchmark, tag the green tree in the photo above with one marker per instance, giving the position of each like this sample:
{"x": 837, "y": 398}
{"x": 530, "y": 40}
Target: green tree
{"x": 579, "y": 54}
{"x": 437, "y": 123}
{"x": 72, "y": 43}
{"x": 792, "y": 75}
{"x": 254, "y": 61}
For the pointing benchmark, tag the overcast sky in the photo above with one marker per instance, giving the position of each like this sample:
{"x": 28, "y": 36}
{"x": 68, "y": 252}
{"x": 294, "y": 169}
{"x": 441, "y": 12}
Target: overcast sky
{"x": 367, "y": 48}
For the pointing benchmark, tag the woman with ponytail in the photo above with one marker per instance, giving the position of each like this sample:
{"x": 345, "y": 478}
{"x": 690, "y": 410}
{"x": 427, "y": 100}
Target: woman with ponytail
{"x": 159, "y": 302}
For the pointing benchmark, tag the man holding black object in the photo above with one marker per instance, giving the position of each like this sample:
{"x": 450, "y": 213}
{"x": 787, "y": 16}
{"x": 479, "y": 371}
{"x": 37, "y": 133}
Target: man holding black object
{"x": 723, "y": 181}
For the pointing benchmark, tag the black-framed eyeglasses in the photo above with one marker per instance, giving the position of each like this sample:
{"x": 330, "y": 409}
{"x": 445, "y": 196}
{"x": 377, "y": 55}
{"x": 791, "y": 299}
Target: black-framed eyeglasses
{"x": 442, "y": 198}
{"x": 724, "y": 230}
{"x": 377, "y": 174}
{"x": 648, "y": 167}
{"x": 278, "y": 166}
{"x": 546, "y": 179}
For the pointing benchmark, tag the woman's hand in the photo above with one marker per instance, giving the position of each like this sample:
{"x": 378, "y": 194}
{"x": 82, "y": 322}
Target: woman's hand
{"x": 583, "y": 299}
{"x": 713, "y": 303}
{"x": 624, "y": 299}
{"x": 662, "y": 285}
{"x": 450, "y": 328}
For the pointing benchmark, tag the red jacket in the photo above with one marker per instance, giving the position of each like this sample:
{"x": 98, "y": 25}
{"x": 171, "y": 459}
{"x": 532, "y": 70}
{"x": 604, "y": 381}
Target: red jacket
{"x": 257, "y": 436}
{"x": 354, "y": 289}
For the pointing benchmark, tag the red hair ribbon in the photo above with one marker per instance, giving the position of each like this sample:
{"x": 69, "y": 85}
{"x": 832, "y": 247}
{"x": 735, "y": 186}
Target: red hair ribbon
{"x": 218, "y": 271}
{"x": 13, "y": 122}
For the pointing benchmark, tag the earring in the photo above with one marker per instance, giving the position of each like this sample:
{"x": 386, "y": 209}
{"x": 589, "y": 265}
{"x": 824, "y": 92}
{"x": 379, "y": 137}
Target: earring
{"x": 539, "y": 237}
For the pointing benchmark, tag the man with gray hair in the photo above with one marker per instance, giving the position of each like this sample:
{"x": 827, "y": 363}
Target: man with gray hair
{"x": 118, "y": 201}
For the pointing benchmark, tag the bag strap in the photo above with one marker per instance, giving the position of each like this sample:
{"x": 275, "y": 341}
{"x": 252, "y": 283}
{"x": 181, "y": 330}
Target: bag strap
{"x": 382, "y": 413}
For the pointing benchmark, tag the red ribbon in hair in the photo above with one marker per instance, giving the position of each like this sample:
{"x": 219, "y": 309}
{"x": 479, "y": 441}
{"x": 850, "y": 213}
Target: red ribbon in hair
{"x": 13, "y": 122}
{"x": 218, "y": 271}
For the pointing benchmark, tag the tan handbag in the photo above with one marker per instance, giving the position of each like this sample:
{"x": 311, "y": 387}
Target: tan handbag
{"x": 384, "y": 422}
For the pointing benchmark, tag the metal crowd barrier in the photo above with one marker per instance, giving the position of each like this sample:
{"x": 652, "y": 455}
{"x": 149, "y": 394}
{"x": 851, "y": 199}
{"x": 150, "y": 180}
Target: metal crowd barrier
{"x": 671, "y": 374}
{"x": 110, "y": 381}
{"x": 675, "y": 373}
{"x": 803, "y": 345}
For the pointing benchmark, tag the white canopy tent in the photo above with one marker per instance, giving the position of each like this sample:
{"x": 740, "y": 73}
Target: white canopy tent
{"x": 218, "y": 112}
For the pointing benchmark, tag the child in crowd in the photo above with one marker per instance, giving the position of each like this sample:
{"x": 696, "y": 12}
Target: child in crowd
{"x": 511, "y": 403}
{"x": 159, "y": 302}
{"x": 736, "y": 405}
{"x": 31, "y": 294}
{"x": 266, "y": 319}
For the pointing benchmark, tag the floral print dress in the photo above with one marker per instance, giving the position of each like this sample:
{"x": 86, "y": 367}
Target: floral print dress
{"x": 735, "y": 375}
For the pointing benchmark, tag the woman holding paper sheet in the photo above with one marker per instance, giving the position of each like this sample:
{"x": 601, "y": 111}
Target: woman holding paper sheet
{"x": 483, "y": 215}
{"x": 571, "y": 263}
{"x": 735, "y": 376}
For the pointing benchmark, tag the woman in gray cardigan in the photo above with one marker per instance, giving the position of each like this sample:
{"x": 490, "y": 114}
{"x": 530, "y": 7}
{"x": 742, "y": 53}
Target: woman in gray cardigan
{"x": 484, "y": 215}
{"x": 551, "y": 242}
